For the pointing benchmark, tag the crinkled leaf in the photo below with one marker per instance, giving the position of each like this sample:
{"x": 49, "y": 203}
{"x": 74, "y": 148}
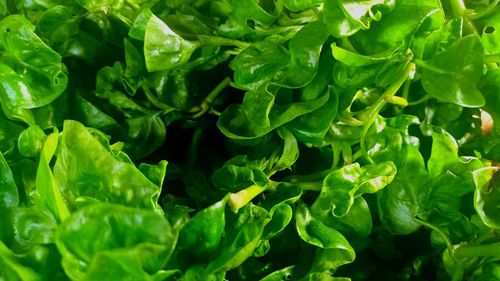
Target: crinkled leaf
{"x": 391, "y": 31}
{"x": 104, "y": 239}
{"x": 86, "y": 167}
{"x": 362, "y": 13}
{"x": 146, "y": 134}
{"x": 340, "y": 187}
{"x": 31, "y": 73}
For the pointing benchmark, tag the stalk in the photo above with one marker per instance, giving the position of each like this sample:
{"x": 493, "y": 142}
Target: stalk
{"x": 239, "y": 199}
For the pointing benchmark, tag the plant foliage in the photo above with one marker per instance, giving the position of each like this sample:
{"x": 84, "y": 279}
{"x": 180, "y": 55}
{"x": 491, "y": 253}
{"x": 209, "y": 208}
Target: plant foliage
{"x": 307, "y": 140}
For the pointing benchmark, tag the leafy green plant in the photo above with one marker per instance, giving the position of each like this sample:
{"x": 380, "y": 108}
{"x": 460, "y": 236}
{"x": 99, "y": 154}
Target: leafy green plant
{"x": 249, "y": 140}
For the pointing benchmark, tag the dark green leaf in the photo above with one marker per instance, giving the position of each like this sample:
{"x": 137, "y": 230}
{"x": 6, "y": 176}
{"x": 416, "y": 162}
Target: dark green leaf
{"x": 9, "y": 195}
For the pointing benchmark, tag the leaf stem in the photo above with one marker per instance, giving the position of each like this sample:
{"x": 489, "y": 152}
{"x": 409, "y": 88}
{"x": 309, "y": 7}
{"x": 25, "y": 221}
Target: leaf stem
{"x": 379, "y": 104}
{"x": 458, "y": 8}
{"x": 406, "y": 89}
{"x": 492, "y": 58}
{"x": 485, "y": 250}
{"x": 420, "y": 100}
{"x": 445, "y": 237}
{"x": 209, "y": 99}
{"x": 311, "y": 185}
{"x": 486, "y": 11}
{"x": 335, "y": 154}
{"x": 221, "y": 41}
{"x": 152, "y": 98}
{"x": 460, "y": 11}
{"x": 239, "y": 199}
{"x": 430, "y": 67}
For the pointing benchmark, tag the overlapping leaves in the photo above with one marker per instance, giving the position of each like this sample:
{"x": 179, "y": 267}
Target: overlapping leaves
{"x": 306, "y": 140}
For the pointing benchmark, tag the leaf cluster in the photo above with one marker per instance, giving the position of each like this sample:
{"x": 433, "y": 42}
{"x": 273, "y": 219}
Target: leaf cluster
{"x": 307, "y": 140}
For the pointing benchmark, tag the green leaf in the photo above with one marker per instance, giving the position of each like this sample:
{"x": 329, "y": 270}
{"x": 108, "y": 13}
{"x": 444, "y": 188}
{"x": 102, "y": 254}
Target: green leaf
{"x": 312, "y": 127}
{"x": 258, "y": 64}
{"x": 110, "y": 240}
{"x": 148, "y": 129}
{"x": 281, "y": 215}
{"x": 358, "y": 221}
{"x": 281, "y": 274}
{"x": 334, "y": 250}
{"x": 30, "y": 72}
{"x": 354, "y": 59}
{"x": 155, "y": 173}
{"x": 362, "y": 13}
{"x": 446, "y": 190}
{"x": 399, "y": 203}
{"x": 391, "y": 31}
{"x": 235, "y": 124}
{"x": 338, "y": 24}
{"x": 490, "y": 86}
{"x": 11, "y": 269}
{"x": 47, "y": 185}
{"x": 289, "y": 153}
{"x": 163, "y": 48}
{"x": 299, "y": 5}
{"x": 138, "y": 29}
{"x": 305, "y": 49}
{"x": 244, "y": 15}
{"x": 9, "y": 195}
{"x": 487, "y": 195}
{"x": 86, "y": 166}
{"x": 452, "y": 76}
{"x": 490, "y": 36}
{"x": 242, "y": 240}
{"x": 3, "y": 7}
{"x": 31, "y": 141}
{"x": 233, "y": 178}
{"x": 201, "y": 235}
{"x": 444, "y": 152}
{"x": 340, "y": 187}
